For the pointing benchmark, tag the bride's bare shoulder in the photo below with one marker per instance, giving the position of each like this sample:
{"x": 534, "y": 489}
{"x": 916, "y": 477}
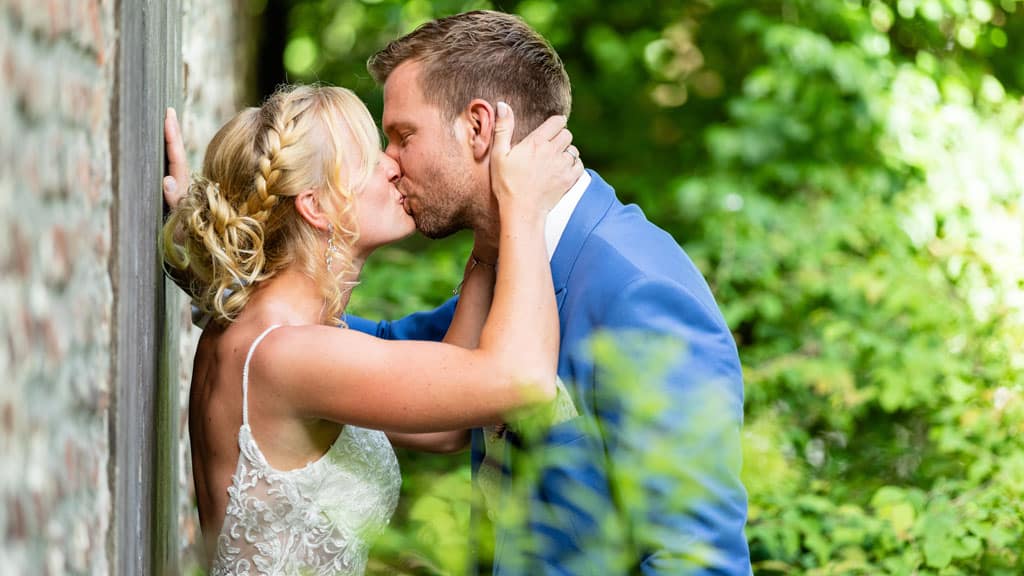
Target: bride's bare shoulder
{"x": 284, "y": 352}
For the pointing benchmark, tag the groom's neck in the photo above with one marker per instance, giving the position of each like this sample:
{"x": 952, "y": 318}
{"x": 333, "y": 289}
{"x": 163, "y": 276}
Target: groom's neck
{"x": 485, "y": 241}
{"x": 486, "y": 232}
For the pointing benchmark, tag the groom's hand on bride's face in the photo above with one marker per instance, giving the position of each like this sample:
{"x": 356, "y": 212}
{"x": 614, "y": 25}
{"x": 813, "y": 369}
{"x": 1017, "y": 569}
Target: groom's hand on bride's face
{"x": 176, "y": 180}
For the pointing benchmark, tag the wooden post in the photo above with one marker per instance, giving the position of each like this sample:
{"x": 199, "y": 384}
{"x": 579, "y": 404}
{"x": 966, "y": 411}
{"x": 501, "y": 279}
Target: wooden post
{"x": 145, "y": 361}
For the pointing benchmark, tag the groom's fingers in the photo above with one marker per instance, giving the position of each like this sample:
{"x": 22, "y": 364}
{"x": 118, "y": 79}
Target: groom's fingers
{"x": 504, "y": 126}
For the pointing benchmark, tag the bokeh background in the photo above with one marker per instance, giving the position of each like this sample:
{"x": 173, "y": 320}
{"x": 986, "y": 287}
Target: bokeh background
{"x": 848, "y": 175}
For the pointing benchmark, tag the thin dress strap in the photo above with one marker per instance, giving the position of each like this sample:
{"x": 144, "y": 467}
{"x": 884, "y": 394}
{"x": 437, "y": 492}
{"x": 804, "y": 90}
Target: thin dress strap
{"x": 245, "y": 374}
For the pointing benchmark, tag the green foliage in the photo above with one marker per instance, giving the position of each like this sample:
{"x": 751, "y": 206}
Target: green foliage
{"x": 847, "y": 175}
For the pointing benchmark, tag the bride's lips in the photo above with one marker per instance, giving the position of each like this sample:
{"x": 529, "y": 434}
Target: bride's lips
{"x": 403, "y": 200}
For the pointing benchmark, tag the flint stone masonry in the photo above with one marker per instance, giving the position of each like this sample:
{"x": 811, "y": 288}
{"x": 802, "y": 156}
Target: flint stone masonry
{"x": 58, "y": 209}
{"x": 56, "y": 297}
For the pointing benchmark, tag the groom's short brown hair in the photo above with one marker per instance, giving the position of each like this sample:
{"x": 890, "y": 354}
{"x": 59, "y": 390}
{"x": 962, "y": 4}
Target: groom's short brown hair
{"x": 482, "y": 54}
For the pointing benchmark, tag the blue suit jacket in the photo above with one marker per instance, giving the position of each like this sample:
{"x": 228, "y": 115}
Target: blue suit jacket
{"x": 657, "y": 487}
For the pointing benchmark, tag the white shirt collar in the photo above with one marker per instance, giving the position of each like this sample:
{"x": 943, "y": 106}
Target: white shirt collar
{"x": 558, "y": 217}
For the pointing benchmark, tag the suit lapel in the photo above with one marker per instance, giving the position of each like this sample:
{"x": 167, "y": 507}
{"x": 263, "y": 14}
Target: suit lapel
{"x": 594, "y": 204}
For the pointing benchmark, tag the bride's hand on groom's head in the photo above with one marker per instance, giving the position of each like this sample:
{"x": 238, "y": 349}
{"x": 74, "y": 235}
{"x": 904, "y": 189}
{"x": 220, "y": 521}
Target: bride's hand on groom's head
{"x": 537, "y": 171}
{"x": 176, "y": 181}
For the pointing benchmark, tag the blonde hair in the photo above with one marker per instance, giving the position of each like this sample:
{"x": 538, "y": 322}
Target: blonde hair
{"x": 235, "y": 227}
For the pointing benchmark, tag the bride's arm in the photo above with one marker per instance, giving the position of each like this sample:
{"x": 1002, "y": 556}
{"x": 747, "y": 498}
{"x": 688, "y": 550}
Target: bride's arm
{"x": 475, "y": 296}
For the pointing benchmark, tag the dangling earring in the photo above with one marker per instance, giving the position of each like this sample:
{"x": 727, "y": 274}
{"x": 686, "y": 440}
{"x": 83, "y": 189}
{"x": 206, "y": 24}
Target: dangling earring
{"x": 331, "y": 248}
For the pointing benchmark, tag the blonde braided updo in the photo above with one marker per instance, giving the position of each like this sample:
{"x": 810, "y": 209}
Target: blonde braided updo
{"x": 237, "y": 227}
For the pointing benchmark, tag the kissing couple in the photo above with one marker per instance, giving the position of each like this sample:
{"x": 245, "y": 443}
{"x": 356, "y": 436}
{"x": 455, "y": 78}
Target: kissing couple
{"x": 295, "y": 406}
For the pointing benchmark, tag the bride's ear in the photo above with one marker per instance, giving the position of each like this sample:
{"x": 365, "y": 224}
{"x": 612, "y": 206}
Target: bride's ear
{"x": 481, "y": 115}
{"x": 307, "y": 204}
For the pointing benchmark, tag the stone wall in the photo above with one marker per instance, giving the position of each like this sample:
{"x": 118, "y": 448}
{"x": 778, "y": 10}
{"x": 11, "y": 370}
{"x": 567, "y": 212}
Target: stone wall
{"x": 58, "y": 94}
{"x": 56, "y": 299}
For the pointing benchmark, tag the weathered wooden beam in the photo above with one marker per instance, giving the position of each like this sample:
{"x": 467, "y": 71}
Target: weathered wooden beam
{"x": 145, "y": 352}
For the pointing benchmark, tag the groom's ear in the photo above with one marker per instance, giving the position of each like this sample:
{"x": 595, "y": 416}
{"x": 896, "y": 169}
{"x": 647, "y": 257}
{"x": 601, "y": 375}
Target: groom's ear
{"x": 481, "y": 115}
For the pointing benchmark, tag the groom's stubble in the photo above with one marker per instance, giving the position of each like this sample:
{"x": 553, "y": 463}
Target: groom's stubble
{"x": 446, "y": 198}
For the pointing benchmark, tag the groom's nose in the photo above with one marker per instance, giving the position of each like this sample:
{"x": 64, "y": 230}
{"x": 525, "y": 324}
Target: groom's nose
{"x": 392, "y": 169}
{"x": 391, "y": 151}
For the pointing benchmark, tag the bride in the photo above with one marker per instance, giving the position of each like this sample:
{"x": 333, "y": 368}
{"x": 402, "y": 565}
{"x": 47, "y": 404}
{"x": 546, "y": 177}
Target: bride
{"x": 292, "y": 472}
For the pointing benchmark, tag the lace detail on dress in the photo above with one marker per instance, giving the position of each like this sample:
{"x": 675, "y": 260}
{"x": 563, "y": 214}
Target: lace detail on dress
{"x": 319, "y": 519}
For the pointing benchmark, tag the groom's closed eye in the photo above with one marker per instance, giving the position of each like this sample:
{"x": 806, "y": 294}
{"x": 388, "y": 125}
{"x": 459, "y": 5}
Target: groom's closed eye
{"x": 397, "y": 132}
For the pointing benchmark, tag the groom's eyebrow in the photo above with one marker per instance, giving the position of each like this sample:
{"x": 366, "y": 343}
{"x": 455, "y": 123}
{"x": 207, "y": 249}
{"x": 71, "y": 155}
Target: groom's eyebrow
{"x": 394, "y": 127}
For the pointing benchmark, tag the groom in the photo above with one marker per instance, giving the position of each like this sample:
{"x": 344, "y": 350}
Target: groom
{"x": 618, "y": 278}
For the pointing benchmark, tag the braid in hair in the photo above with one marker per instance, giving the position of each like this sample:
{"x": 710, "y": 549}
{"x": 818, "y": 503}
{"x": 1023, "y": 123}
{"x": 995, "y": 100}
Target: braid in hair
{"x": 232, "y": 230}
{"x": 278, "y": 123}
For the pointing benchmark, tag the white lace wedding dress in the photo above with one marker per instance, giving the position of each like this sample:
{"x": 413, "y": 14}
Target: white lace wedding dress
{"x": 317, "y": 520}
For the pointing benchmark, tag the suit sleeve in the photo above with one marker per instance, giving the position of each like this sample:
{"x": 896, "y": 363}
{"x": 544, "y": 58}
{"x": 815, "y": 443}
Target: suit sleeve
{"x": 671, "y": 423}
{"x": 430, "y": 325}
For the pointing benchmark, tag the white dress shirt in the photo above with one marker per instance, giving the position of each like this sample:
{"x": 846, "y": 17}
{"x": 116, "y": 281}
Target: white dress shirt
{"x": 558, "y": 218}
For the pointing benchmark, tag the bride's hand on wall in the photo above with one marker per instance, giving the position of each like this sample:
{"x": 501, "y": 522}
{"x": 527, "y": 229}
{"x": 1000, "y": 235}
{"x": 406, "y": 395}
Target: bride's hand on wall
{"x": 177, "y": 161}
